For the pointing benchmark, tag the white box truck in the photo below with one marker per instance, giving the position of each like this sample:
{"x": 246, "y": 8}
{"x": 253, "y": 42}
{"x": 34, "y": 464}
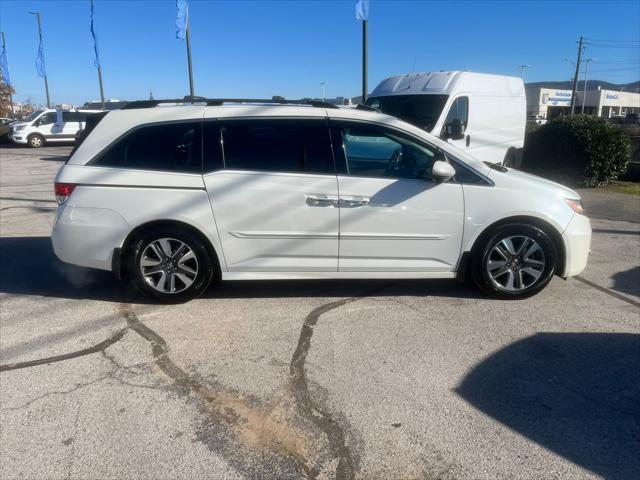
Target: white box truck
{"x": 484, "y": 115}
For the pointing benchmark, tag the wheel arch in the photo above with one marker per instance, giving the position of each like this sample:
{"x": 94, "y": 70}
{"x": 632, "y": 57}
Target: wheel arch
{"x": 125, "y": 250}
{"x": 36, "y": 134}
{"x": 547, "y": 227}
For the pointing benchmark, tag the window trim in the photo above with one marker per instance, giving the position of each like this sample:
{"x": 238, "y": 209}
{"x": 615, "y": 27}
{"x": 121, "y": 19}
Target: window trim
{"x": 98, "y": 156}
{"x": 341, "y": 161}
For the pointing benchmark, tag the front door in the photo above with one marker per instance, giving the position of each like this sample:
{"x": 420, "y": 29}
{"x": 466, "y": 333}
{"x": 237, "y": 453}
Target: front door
{"x": 47, "y": 125}
{"x": 393, "y": 216}
{"x": 456, "y": 128}
{"x": 274, "y": 194}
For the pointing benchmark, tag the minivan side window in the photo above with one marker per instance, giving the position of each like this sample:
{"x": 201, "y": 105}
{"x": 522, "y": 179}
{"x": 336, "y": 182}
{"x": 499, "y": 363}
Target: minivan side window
{"x": 170, "y": 147}
{"x": 458, "y": 112}
{"x": 70, "y": 117}
{"x": 371, "y": 151}
{"x": 296, "y": 146}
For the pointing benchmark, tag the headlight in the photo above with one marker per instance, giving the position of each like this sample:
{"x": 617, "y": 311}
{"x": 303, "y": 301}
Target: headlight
{"x": 575, "y": 204}
{"x": 18, "y": 128}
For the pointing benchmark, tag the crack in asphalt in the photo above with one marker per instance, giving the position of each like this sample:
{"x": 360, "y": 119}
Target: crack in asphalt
{"x": 99, "y": 347}
{"x": 335, "y": 434}
{"x": 234, "y": 412}
{"x": 608, "y": 291}
{"x": 345, "y": 469}
{"x": 229, "y": 406}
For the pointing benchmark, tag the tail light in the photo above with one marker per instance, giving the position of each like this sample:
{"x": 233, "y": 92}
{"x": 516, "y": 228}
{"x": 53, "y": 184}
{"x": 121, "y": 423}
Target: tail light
{"x": 63, "y": 190}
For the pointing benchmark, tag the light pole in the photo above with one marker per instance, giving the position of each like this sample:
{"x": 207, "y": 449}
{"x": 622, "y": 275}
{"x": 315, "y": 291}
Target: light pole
{"x": 323, "y": 85}
{"x": 522, "y": 67}
{"x": 586, "y": 76}
{"x": 41, "y": 56}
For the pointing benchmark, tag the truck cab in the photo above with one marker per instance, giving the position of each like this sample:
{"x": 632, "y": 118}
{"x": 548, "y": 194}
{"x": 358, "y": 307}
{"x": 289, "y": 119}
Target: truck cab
{"x": 482, "y": 114}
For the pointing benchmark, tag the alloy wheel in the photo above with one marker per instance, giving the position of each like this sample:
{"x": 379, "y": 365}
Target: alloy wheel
{"x": 168, "y": 265}
{"x": 515, "y": 263}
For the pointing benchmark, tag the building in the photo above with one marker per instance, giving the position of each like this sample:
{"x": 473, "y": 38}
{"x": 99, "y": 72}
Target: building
{"x": 552, "y": 102}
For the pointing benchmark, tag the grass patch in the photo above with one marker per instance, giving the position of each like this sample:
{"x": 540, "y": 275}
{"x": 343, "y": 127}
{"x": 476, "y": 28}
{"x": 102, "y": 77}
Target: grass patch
{"x": 631, "y": 188}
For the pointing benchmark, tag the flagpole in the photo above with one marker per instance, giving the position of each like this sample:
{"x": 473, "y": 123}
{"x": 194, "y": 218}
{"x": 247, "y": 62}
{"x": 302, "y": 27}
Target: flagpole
{"x": 4, "y": 47}
{"x": 101, "y": 87}
{"x": 46, "y": 82}
{"x": 188, "y": 36}
{"x": 365, "y": 48}
{"x": 99, "y": 65}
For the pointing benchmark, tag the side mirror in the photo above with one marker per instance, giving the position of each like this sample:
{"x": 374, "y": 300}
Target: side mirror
{"x": 454, "y": 130}
{"x": 442, "y": 171}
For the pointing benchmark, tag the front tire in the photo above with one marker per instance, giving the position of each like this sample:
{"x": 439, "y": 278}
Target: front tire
{"x": 35, "y": 140}
{"x": 514, "y": 261}
{"x": 169, "y": 265}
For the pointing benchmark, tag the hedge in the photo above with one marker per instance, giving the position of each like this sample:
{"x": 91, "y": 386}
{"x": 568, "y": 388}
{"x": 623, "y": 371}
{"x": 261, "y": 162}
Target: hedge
{"x": 579, "y": 150}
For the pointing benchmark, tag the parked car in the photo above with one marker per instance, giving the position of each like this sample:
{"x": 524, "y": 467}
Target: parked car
{"x": 536, "y": 119}
{"x": 484, "y": 115}
{"x": 49, "y": 125}
{"x": 175, "y": 196}
{"x": 4, "y": 126}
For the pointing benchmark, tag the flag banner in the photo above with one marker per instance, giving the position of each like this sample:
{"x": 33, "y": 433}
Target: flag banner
{"x": 42, "y": 71}
{"x": 96, "y": 57}
{"x": 182, "y": 19}
{"x": 4, "y": 67}
{"x": 362, "y": 10}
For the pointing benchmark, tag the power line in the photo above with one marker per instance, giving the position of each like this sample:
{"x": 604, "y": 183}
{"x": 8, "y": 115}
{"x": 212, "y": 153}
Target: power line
{"x": 611, "y": 41}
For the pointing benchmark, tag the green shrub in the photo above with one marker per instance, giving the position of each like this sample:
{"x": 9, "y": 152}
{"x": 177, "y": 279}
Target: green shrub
{"x": 580, "y": 150}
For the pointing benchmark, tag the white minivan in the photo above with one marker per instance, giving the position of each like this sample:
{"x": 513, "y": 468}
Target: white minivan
{"x": 481, "y": 114}
{"x": 51, "y": 125}
{"x": 173, "y": 195}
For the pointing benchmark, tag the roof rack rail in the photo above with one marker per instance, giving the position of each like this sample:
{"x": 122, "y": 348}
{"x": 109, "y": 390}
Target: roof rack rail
{"x": 276, "y": 100}
{"x": 366, "y": 108}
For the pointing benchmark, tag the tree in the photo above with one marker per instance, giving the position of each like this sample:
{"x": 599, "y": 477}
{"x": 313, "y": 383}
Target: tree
{"x": 5, "y": 94}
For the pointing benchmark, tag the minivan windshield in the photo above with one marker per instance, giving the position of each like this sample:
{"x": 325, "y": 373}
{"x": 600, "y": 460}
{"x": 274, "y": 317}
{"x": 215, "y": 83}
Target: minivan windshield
{"x": 33, "y": 116}
{"x": 422, "y": 111}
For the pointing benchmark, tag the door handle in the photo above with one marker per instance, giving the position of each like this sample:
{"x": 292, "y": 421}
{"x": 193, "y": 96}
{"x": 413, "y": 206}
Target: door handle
{"x": 354, "y": 202}
{"x": 468, "y": 140}
{"x": 321, "y": 200}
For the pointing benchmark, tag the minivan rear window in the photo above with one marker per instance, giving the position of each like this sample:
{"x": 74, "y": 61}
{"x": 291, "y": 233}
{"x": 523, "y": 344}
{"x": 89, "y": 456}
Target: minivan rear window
{"x": 171, "y": 147}
{"x": 281, "y": 145}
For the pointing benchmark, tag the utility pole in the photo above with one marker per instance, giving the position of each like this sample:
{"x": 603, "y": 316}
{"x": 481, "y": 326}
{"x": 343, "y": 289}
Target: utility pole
{"x": 586, "y": 77}
{"x": 323, "y": 85}
{"x": 522, "y": 67}
{"x": 577, "y": 74}
{"x": 46, "y": 82}
{"x": 6, "y": 80}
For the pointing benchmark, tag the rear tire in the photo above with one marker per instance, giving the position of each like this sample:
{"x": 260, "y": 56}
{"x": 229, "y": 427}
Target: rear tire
{"x": 514, "y": 261}
{"x": 35, "y": 140}
{"x": 170, "y": 265}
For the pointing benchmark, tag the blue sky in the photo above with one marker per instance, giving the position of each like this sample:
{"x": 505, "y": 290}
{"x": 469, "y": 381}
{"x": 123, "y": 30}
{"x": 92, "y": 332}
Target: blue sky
{"x": 265, "y": 48}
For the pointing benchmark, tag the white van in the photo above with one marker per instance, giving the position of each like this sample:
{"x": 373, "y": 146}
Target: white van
{"x": 49, "y": 125}
{"x": 482, "y": 114}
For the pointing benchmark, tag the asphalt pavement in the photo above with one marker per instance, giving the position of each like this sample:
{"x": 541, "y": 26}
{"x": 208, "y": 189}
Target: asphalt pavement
{"x": 317, "y": 379}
